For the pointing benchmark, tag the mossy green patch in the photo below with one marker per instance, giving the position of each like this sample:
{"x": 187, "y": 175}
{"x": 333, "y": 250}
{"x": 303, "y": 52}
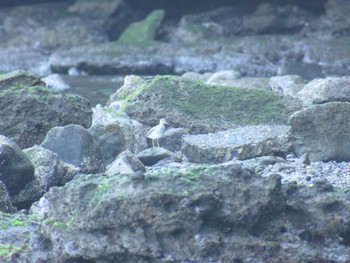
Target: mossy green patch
{"x": 143, "y": 31}
{"x": 199, "y": 101}
{"x": 17, "y": 220}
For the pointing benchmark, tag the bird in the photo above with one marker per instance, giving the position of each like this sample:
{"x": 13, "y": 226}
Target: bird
{"x": 157, "y": 132}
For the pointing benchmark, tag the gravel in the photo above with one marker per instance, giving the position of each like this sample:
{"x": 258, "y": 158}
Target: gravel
{"x": 337, "y": 174}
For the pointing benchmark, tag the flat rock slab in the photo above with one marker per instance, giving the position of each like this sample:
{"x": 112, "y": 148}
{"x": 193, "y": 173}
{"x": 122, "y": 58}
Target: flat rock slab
{"x": 240, "y": 143}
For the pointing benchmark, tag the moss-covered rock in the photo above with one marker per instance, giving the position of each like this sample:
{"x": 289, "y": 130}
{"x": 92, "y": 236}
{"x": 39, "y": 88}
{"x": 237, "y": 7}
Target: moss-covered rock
{"x": 143, "y": 31}
{"x": 115, "y": 219}
{"x": 16, "y": 231}
{"x": 29, "y": 109}
{"x": 205, "y": 108}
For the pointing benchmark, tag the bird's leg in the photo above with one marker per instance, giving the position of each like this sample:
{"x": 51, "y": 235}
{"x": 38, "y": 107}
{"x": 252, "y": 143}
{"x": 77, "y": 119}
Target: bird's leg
{"x": 152, "y": 143}
{"x": 158, "y": 143}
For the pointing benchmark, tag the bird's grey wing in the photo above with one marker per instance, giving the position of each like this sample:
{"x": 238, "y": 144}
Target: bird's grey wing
{"x": 150, "y": 131}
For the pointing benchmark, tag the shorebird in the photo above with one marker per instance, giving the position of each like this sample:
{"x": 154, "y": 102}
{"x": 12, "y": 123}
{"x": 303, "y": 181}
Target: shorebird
{"x": 157, "y": 132}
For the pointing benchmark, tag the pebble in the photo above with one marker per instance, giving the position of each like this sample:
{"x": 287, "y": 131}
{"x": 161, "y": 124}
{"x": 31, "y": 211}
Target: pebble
{"x": 337, "y": 174}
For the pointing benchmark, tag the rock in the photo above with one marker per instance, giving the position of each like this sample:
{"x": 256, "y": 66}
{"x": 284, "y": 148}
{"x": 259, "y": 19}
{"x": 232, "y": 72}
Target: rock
{"x": 247, "y": 82}
{"x": 185, "y": 104}
{"x": 142, "y": 221}
{"x": 30, "y": 110}
{"x": 16, "y": 170}
{"x": 321, "y": 131}
{"x": 126, "y": 163}
{"x": 131, "y": 84}
{"x": 151, "y": 156}
{"x": 249, "y": 55}
{"x": 143, "y": 31}
{"x": 74, "y": 145}
{"x": 49, "y": 171}
{"x": 288, "y": 85}
{"x": 55, "y": 82}
{"x": 91, "y": 9}
{"x": 5, "y": 200}
{"x": 172, "y": 139}
{"x": 240, "y": 143}
{"x": 337, "y": 14}
{"x": 110, "y": 138}
{"x": 133, "y": 131}
{"x": 213, "y": 24}
{"x": 195, "y": 76}
{"x": 30, "y": 34}
{"x": 306, "y": 71}
{"x": 325, "y": 90}
{"x": 16, "y": 235}
{"x": 304, "y": 159}
{"x": 269, "y": 18}
{"x": 219, "y": 77}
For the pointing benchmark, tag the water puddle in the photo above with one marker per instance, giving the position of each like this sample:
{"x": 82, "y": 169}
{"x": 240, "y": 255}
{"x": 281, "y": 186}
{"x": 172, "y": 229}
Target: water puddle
{"x": 97, "y": 89}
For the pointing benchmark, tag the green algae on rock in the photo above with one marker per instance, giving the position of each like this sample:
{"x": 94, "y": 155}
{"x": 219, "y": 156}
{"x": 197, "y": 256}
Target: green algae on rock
{"x": 30, "y": 110}
{"x": 143, "y": 31}
{"x": 205, "y": 108}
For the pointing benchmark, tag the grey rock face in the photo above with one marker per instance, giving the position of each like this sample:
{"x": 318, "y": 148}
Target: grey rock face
{"x": 29, "y": 110}
{"x": 16, "y": 170}
{"x": 126, "y": 163}
{"x": 240, "y": 143}
{"x": 322, "y": 131}
{"x": 75, "y": 145}
{"x": 325, "y": 90}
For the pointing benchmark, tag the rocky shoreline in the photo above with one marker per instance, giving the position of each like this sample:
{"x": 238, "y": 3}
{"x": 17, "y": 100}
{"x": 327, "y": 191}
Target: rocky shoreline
{"x": 253, "y": 167}
{"x": 257, "y": 191}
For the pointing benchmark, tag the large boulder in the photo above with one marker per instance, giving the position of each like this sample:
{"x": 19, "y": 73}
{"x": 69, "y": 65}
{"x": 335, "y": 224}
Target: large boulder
{"x": 325, "y": 90}
{"x": 16, "y": 170}
{"x": 322, "y": 131}
{"x": 74, "y": 145}
{"x": 240, "y": 143}
{"x": 29, "y": 110}
{"x": 166, "y": 217}
{"x": 204, "y": 108}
